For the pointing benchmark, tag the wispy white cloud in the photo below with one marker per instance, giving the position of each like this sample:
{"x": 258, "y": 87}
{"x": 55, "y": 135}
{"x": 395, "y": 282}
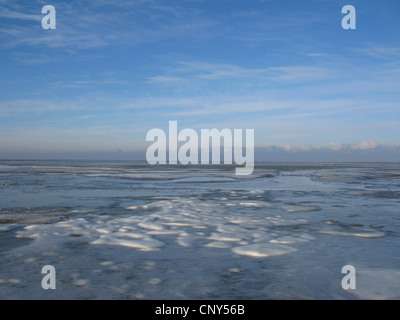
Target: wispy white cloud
{"x": 88, "y": 83}
{"x": 27, "y": 106}
{"x": 166, "y": 80}
{"x": 28, "y": 58}
{"x": 365, "y": 145}
{"x": 334, "y": 146}
{"x": 303, "y": 73}
{"x": 387, "y": 53}
{"x": 12, "y": 14}
{"x": 81, "y": 25}
{"x": 263, "y": 104}
{"x": 195, "y": 71}
{"x": 302, "y": 147}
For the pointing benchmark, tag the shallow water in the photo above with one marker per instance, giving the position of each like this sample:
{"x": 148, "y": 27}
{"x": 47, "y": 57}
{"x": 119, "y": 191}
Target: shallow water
{"x": 130, "y": 231}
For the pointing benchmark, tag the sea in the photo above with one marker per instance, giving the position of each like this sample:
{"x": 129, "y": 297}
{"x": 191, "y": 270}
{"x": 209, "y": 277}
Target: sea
{"x": 128, "y": 230}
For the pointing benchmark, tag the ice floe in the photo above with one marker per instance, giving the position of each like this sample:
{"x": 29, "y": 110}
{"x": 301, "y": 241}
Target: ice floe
{"x": 263, "y": 250}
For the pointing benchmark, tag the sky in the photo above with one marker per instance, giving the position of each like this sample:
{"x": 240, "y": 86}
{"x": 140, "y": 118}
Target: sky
{"x": 113, "y": 70}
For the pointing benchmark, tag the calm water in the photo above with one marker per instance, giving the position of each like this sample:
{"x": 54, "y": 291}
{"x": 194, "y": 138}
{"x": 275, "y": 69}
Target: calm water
{"x": 125, "y": 230}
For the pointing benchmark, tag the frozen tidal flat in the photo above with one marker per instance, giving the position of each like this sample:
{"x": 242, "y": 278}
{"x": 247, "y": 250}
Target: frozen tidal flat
{"x": 123, "y": 231}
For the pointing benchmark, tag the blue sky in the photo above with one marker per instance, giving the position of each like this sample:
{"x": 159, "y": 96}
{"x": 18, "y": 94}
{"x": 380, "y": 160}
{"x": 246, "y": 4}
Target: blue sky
{"x": 112, "y": 70}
